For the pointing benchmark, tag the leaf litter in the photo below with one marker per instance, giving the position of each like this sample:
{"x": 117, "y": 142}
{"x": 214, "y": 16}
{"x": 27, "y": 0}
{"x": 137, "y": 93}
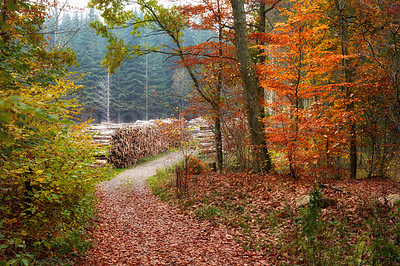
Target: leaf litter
{"x": 135, "y": 228}
{"x": 245, "y": 219}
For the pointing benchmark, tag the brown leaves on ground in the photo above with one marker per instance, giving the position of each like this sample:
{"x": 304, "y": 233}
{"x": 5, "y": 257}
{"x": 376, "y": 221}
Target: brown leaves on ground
{"x": 136, "y": 228}
{"x": 263, "y": 209}
{"x": 245, "y": 219}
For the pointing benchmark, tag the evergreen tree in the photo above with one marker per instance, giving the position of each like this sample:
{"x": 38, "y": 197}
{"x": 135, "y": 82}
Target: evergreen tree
{"x": 90, "y": 49}
{"x": 128, "y": 83}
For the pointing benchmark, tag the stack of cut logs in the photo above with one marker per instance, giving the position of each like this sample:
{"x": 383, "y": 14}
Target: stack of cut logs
{"x": 129, "y": 145}
{"x": 102, "y": 134}
{"x": 203, "y": 133}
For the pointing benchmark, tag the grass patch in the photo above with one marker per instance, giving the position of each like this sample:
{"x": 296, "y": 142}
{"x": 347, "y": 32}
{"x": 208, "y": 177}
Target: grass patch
{"x": 209, "y": 212}
{"x": 116, "y": 171}
{"x": 161, "y": 184}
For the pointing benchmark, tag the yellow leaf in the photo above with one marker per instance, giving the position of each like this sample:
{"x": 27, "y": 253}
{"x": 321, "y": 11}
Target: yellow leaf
{"x": 11, "y": 221}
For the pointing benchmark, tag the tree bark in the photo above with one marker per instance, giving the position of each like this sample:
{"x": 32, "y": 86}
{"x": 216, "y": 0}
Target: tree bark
{"x": 217, "y": 98}
{"x": 348, "y": 74}
{"x": 254, "y": 109}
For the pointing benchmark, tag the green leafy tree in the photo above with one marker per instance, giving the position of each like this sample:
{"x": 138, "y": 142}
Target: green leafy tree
{"x": 45, "y": 178}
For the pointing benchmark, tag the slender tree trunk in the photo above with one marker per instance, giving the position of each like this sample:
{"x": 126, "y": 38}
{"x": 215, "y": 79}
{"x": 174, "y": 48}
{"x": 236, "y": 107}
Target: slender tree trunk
{"x": 217, "y": 123}
{"x": 218, "y": 142}
{"x": 217, "y": 99}
{"x": 348, "y": 73}
{"x": 353, "y": 151}
{"x": 261, "y": 28}
{"x": 108, "y": 97}
{"x": 254, "y": 109}
{"x": 56, "y": 28}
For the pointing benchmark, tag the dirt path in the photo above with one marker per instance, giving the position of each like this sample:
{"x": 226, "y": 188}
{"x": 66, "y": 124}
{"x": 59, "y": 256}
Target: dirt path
{"x": 136, "y": 228}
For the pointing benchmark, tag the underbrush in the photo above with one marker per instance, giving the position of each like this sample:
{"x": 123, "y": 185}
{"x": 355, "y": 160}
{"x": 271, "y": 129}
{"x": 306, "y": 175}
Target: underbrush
{"x": 47, "y": 199}
{"x": 52, "y": 234}
{"x": 341, "y": 222}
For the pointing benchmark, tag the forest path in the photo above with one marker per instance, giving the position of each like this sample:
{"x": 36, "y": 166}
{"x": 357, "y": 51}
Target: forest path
{"x": 135, "y": 228}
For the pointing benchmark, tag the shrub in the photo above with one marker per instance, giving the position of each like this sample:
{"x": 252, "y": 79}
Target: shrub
{"x": 194, "y": 165}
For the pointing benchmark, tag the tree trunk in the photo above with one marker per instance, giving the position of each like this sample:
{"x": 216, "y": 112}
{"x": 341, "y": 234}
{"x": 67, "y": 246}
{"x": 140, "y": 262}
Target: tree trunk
{"x": 254, "y": 109}
{"x": 218, "y": 142}
{"x": 348, "y": 74}
{"x": 217, "y": 98}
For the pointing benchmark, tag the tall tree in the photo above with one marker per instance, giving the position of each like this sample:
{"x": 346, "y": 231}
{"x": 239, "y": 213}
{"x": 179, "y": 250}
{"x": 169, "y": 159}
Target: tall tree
{"x": 254, "y": 109}
{"x": 213, "y": 57}
{"x": 380, "y": 32}
{"x": 343, "y": 21}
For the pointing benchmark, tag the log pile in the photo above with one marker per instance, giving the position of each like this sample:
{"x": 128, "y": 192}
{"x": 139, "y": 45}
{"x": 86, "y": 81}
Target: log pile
{"x": 101, "y": 161}
{"x": 131, "y": 144}
{"x": 102, "y": 133}
{"x": 203, "y": 133}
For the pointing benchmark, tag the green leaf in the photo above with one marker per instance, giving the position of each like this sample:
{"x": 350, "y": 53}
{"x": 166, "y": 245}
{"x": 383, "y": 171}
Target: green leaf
{"x": 52, "y": 118}
{"x": 4, "y": 103}
{"x": 25, "y": 262}
{"x": 12, "y": 5}
{"x": 67, "y": 122}
{"x": 5, "y": 117}
{"x": 40, "y": 113}
{"x": 24, "y": 4}
{"x": 5, "y": 137}
{"x": 23, "y": 107}
{"x": 14, "y": 99}
{"x": 17, "y": 242}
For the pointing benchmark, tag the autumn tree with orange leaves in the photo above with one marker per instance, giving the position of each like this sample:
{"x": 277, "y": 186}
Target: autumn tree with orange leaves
{"x": 327, "y": 77}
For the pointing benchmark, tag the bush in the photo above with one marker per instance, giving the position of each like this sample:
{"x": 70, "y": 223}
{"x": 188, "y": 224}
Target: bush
{"x": 47, "y": 194}
{"x": 194, "y": 165}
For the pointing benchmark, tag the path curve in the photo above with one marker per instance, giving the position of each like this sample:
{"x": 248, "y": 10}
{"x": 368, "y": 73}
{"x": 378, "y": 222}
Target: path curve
{"x": 135, "y": 228}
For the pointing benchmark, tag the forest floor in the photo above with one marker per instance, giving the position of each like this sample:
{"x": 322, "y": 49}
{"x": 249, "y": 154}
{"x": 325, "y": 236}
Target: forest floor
{"x": 242, "y": 219}
{"x": 309, "y": 221}
{"x": 133, "y": 227}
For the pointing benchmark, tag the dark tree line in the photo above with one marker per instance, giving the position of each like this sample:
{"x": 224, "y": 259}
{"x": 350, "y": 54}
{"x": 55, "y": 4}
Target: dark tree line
{"x": 129, "y": 100}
